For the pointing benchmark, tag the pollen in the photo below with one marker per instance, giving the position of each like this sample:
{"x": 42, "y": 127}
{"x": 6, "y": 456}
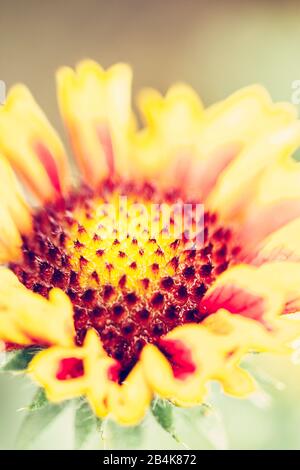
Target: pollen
{"x": 132, "y": 262}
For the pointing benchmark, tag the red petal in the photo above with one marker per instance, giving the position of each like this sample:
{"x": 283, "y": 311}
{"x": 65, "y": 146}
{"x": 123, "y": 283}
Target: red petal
{"x": 70, "y": 368}
{"x": 235, "y": 300}
{"x": 180, "y": 357}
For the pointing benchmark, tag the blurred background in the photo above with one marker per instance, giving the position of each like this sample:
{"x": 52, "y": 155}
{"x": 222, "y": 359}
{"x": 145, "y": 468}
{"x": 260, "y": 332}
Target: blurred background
{"x": 215, "y": 46}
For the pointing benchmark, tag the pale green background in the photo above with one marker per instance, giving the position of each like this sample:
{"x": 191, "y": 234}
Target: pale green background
{"x": 215, "y": 46}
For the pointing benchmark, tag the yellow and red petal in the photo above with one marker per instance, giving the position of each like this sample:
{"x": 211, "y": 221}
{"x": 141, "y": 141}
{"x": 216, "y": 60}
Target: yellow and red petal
{"x": 100, "y": 371}
{"x": 272, "y": 282}
{"x": 260, "y": 294}
{"x": 212, "y": 351}
{"x": 203, "y": 173}
{"x": 75, "y": 371}
{"x": 68, "y": 371}
{"x": 193, "y": 355}
{"x": 188, "y": 390}
{"x": 60, "y": 371}
{"x": 228, "y": 129}
{"x": 282, "y": 245}
{"x": 237, "y": 335}
{"x": 128, "y": 401}
{"x": 13, "y": 199}
{"x": 239, "y": 183}
{"x": 15, "y": 215}
{"x": 252, "y": 337}
{"x": 276, "y": 202}
{"x": 37, "y": 153}
{"x": 96, "y": 109}
{"x": 38, "y": 320}
{"x": 243, "y": 290}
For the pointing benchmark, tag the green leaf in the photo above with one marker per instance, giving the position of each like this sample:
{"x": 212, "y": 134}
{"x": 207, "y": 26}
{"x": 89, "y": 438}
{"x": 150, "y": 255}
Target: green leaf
{"x": 18, "y": 360}
{"x": 85, "y": 423}
{"x": 162, "y": 411}
{"x": 40, "y": 414}
{"x": 39, "y": 400}
{"x": 117, "y": 437}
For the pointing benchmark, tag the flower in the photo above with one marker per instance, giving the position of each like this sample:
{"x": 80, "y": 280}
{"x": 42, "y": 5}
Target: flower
{"x": 122, "y": 315}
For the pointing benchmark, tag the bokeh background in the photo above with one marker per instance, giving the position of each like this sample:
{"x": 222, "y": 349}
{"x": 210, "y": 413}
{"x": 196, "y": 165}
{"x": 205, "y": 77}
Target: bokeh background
{"x": 216, "y": 46}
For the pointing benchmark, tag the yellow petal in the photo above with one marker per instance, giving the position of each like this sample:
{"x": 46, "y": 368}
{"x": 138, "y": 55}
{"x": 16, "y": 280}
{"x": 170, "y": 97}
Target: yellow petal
{"x": 172, "y": 124}
{"x": 287, "y": 276}
{"x": 174, "y": 116}
{"x": 10, "y": 238}
{"x": 237, "y": 382}
{"x": 280, "y": 181}
{"x": 243, "y": 117}
{"x": 128, "y": 402}
{"x": 9, "y": 330}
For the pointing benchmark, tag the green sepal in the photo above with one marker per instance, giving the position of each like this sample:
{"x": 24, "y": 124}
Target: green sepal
{"x": 17, "y": 361}
{"x": 39, "y": 400}
{"x": 163, "y": 412}
{"x": 40, "y": 414}
{"x": 86, "y": 422}
{"x": 189, "y": 425}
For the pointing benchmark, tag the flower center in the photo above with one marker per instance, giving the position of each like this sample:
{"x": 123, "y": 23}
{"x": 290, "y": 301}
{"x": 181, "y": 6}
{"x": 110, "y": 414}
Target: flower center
{"x": 134, "y": 261}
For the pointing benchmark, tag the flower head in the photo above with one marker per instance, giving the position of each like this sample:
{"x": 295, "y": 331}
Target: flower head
{"x": 174, "y": 253}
